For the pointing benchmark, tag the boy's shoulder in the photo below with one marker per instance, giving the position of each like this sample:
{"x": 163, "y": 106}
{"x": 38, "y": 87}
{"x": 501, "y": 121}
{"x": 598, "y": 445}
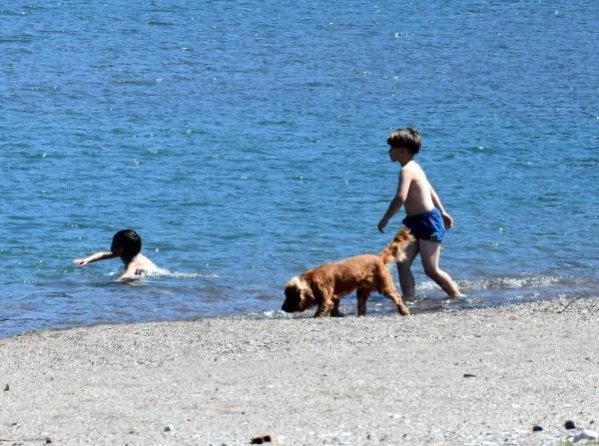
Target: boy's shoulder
{"x": 414, "y": 170}
{"x": 145, "y": 263}
{"x": 412, "y": 166}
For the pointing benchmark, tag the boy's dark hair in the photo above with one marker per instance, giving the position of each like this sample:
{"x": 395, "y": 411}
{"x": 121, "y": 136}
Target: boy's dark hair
{"x": 129, "y": 241}
{"x": 408, "y": 138}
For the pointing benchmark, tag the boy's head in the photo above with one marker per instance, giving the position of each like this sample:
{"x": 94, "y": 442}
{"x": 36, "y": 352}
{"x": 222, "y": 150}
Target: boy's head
{"x": 126, "y": 244}
{"x": 407, "y": 138}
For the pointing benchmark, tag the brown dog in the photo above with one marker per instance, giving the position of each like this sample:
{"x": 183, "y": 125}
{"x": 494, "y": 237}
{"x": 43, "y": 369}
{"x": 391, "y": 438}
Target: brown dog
{"x": 328, "y": 283}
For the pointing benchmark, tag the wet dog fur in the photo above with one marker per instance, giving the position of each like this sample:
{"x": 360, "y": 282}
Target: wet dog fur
{"x": 328, "y": 283}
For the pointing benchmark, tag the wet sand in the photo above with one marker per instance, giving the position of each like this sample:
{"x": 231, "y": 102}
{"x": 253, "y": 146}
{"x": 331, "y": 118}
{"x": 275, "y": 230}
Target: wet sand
{"x": 464, "y": 377}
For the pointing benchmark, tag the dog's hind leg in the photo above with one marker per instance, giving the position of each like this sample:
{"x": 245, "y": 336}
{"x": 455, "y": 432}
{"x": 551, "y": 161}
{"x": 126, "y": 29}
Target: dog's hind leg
{"x": 396, "y": 298}
{"x": 363, "y": 294}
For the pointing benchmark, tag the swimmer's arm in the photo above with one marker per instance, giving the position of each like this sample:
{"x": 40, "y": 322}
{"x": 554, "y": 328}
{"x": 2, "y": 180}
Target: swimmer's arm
{"x": 437, "y": 202}
{"x": 403, "y": 186}
{"x": 102, "y": 255}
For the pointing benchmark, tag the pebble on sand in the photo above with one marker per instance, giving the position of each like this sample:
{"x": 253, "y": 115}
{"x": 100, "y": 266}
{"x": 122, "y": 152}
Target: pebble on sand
{"x": 264, "y": 439}
{"x": 569, "y": 425}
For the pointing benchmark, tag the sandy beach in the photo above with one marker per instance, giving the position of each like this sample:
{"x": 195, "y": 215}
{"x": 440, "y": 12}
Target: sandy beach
{"x": 469, "y": 378}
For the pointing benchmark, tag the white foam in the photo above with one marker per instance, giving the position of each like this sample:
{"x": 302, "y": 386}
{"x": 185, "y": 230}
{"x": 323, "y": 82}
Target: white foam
{"x": 178, "y": 275}
{"x": 501, "y": 283}
{"x": 174, "y": 274}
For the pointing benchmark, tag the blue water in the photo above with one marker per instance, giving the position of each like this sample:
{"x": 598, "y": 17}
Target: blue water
{"x": 245, "y": 142}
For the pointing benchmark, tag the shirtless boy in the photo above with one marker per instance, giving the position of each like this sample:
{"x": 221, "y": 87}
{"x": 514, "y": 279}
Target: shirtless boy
{"x": 425, "y": 215}
{"x": 126, "y": 244}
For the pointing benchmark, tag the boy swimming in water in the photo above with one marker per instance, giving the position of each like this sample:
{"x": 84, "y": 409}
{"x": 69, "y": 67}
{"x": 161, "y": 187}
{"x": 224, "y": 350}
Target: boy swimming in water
{"x": 425, "y": 215}
{"x": 126, "y": 244}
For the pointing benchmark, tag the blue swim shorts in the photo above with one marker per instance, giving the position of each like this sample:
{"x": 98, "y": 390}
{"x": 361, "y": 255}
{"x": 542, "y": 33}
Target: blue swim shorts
{"x": 427, "y": 226}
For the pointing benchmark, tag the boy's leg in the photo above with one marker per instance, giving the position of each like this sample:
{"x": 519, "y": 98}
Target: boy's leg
{"x": 406, "y": 278}
{"x": 430, "y": 253}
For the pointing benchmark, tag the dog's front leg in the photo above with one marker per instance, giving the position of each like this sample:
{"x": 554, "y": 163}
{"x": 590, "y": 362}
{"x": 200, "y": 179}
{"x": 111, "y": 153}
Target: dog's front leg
{"x": 325, "y": 307}
{"x": 335, "y": 312}
{"x": 363, "y": 295}
{"x": 324, "y": 297}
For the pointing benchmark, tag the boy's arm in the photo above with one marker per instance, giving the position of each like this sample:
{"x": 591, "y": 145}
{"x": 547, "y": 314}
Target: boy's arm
{"x": 102, "y": 255}
{"x": 437, "y": 202}
{"x": 403, "y": 186}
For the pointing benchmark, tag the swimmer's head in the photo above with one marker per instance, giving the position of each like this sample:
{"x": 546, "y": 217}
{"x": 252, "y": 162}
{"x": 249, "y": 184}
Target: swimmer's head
{"x": 126, "y": 244}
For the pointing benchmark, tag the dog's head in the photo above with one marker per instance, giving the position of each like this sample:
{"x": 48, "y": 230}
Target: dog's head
{"x": 298, "y": 295}
{"x": 395, "y": 250}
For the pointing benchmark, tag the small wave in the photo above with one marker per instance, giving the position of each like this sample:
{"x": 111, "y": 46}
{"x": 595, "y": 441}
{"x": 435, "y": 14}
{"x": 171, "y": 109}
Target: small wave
{"x": 503, "y": 283}
{"x": 272, "y": 314}
{"x": 139, "y": 82}
{"x": 173, "y": 274}
{"x": 177, "y": 275}
{"x": 158, "y": 23}
{"x": 18, "y": 38}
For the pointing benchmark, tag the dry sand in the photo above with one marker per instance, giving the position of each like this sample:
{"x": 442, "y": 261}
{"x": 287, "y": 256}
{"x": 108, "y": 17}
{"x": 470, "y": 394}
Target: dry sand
{"x": 464, "y": 378}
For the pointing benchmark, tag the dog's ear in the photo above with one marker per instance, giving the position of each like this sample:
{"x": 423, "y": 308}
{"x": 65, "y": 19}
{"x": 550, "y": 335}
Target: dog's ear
{"x": 292, "y": 297}
{"x": 315, "y": 292}
{"x": 298, "y": 295}
{"x": 293, "y": 290}
{"x": 292, "y": 293}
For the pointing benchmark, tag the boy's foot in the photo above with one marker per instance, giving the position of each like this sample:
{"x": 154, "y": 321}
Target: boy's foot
{"x": 455, "y": 296}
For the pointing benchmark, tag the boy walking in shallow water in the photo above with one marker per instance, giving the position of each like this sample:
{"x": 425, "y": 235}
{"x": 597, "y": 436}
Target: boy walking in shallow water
{"x": 425, "y": 215}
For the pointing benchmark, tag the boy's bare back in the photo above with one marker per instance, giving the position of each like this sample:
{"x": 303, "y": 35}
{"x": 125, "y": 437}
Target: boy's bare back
{"x": 140, "y": 265}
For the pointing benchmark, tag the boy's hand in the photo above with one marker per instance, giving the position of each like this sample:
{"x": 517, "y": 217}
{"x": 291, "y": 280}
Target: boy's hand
{"x": 80, "y": 262}
{"x": 447, "y": 220}
{"x": 381, "y": 225}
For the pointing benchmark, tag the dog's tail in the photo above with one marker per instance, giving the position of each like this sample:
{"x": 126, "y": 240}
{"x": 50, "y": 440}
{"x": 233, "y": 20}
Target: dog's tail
{"x": 394, "y": 251}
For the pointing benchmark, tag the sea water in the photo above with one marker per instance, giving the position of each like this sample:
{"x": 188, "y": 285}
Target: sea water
{"x": 246, "y": 142}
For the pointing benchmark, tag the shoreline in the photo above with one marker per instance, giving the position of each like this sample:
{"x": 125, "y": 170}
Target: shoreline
{"x": 459, "y": 377}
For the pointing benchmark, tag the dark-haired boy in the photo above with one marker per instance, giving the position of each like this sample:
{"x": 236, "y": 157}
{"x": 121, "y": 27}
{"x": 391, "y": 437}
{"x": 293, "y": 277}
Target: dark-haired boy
{"x": 126, "y": 244}
{"x": 425, "y": 215}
